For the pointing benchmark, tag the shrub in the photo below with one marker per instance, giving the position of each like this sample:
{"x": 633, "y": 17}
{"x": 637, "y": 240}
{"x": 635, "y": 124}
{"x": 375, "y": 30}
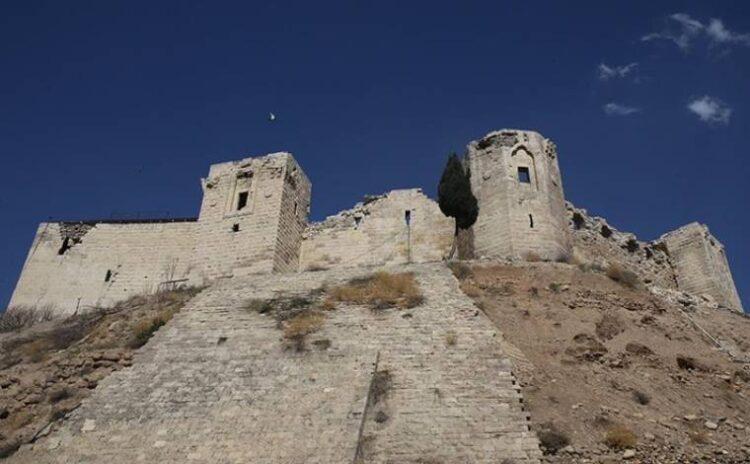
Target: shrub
{"x": 380, "y": 386}
{"x": 555, "y": 287}
{"x": 632, "y": 245}
{"x": 698, "y": 436}
{"x": 609, "y": 326}
{"x": 145, "y": 329}
{"x": 316, "y": 267}
{"x": 379, "y": 291}
{"x": 532, "y": 257}
{"x": 578, "y": 220}
{"x": 461, "y": 270}
{"x": 638, "y": 349}
{"x": 689, "y": 364}
{"x": 606, "y": 231}
{"x": 620, "y": 437}
{"x": 552, "y": 439}
{"x": 451, "y": 338}
{"x": 641, "y": 398}
{"x": 623, "y": 276}
{"x": 19, "y": 317}
{"x": 58, "y": 394}
{"x": 590, "y": 267}
{"x": 301, "y": 325}
{"x": 36, "y": 350}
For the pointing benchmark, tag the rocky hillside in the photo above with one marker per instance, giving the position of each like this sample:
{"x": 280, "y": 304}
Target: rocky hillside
{"x": 47, "y": 369}
{"x": 406, "y": 366}
{"x": 611, "y": 370}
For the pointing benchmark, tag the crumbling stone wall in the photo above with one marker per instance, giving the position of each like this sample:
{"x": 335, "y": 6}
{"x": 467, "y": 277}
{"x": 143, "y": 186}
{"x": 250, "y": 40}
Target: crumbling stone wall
{"x": 516, "y": 179}
{"x": 248, "y": 219}
{"x": 376, "y": 232}
{"x": 701, "y": 265}
{"x": 102, "y": 262}
{"x": 595, "y": 241}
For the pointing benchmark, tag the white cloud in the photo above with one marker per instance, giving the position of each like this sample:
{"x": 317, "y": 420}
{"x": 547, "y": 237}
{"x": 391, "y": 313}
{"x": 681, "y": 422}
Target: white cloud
{"x": 606, "y": 72}
{"x": 720, "y": 34}
{"x": 682, "y": 30}
{"x": 681, "y": 33}
{"x": 616, "y": 109}
{"x": 710, "y": 110}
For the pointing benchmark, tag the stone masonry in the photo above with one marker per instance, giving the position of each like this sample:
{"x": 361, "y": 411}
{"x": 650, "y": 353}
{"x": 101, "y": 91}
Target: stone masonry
{"x": 253, "y": 219}
{"x": 701, "y": 265}
{"x": 216, "y": 385}
{"x": 516, "y": 179}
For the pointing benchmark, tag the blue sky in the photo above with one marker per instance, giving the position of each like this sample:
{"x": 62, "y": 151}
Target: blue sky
{"x": 119, "y": 107}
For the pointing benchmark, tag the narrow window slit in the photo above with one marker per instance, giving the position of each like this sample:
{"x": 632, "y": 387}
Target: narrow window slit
{"x": 531, "y": 221}
{"x": 108, "y": 276}
{"x": 407, "y": 216}
{"x": 236, "y": 228}
{"x": 242, "y": 200}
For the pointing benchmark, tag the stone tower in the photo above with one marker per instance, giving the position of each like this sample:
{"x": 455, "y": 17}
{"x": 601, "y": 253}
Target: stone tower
{"x": 700, "y": 264}
{"x": 252, "y": 216}
{"x": 516, "y": 179}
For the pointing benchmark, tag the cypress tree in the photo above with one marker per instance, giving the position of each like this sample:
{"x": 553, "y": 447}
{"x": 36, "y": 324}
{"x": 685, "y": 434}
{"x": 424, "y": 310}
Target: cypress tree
{"x": 455, "y": 197}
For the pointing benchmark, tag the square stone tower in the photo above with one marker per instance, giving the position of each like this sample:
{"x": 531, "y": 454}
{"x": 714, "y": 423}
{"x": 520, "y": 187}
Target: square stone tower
{"x": 252, "y": 216}
{"x": 701, "y": 265}
{"x": 516, "y": 179}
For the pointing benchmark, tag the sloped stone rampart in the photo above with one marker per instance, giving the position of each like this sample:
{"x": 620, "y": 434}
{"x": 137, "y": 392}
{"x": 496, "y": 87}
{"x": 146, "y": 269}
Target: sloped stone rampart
{"x": 217, "y": 386}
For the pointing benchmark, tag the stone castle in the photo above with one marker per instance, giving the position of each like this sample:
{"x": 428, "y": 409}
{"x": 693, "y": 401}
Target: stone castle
{"x": 254, "y": 220}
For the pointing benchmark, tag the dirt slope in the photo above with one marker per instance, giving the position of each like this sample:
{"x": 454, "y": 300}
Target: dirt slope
{"x": 46, "y": 370}
{"x": 600, "y": 362}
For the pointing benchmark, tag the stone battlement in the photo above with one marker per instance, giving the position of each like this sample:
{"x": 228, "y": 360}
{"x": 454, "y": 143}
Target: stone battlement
{"x": 254, "y": 219}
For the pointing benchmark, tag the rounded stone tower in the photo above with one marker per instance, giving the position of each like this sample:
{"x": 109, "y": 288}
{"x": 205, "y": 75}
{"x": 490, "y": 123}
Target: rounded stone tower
{"x": 516, "y": 179}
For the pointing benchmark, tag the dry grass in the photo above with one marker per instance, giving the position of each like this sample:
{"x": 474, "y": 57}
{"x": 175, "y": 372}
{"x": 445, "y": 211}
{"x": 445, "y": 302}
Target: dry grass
{"x": 460, "y": 270}
{"x": 451, "y": 338}
{"x": 328, "y": 304}
{"x": 699, "y": 437}
{"x": 379, "y": 291}
{"x": 623, "y": 276}
{"x": 36, "y": 351}
{"x": 620, "y": 437}
{"x": 166, "y": 305}
{"x": 300, "y": 326}
{"x": 471, "y": 290}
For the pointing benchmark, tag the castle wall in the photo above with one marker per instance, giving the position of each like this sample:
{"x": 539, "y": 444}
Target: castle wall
{"x": 295, "y": 206}
{"x": 102, "y": 263}
{"x": 597, "y": 242}
{"x": 246, "y": 206}
{"x": 375, "y": 232}
{"x": 701, "y": 264}
{"x": 516, "y": 179}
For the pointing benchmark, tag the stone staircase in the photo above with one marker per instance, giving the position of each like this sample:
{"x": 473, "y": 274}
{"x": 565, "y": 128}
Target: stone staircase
{"x": 216, "y": 385}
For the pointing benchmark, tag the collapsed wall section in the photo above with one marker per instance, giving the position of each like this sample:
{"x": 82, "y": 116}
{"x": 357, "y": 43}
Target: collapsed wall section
{"x": 397, "y": 227}
{"x": 597, "y": 242}
{"x": 701, "y": 265}
{"x": 76, "y": 265}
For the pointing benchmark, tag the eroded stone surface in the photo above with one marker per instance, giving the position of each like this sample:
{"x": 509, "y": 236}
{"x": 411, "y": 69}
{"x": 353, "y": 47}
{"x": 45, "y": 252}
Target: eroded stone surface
{"x": 189, "y": 398}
